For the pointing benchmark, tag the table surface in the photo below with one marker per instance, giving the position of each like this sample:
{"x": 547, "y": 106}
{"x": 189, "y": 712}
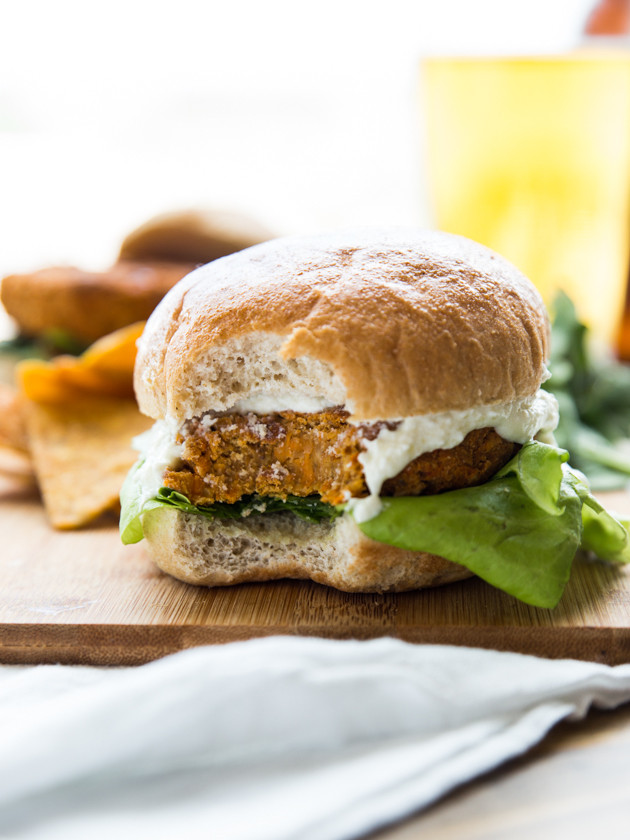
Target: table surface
{"x": 572, "y": 785}
{"x": 81, "y": 597}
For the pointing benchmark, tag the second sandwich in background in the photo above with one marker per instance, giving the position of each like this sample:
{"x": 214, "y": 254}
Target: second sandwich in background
{"x": 65, "y": 309}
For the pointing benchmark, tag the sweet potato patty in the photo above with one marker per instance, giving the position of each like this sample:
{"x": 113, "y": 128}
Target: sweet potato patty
{"x": 287, "y": 453}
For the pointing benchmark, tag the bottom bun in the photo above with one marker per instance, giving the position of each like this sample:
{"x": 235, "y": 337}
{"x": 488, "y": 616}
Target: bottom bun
{"x": 211, "y": 552}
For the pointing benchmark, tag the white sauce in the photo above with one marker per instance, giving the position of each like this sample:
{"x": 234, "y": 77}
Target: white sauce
{"x": 159, "y": 450}
{"x": 386, "y": 455}
{"x": 266, "y": 404}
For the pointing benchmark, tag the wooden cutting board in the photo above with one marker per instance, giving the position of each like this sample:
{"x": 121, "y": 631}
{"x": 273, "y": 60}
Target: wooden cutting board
{"x": 82, "y": 597}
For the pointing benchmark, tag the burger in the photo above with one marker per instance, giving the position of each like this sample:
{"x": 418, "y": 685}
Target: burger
{"x": 65, "y": 309}
{"x": 362, "y": 409}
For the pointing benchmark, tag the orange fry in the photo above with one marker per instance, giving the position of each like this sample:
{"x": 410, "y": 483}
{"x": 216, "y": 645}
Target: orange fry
{"x": 105, "y": 368}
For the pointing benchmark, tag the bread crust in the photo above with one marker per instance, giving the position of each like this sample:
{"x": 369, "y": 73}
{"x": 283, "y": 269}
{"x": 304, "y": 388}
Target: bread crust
{"x": 409, "y": 321}
{"x": 211, "y": 552}
{"x": 198, "y": 236}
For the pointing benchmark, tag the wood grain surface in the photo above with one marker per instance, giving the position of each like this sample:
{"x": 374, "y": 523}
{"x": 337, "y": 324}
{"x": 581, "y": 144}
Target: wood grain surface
{"x": 82, "y": 597}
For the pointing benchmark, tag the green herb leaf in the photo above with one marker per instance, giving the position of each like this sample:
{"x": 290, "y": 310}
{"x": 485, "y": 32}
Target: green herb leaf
{"x": 593, "y": 394}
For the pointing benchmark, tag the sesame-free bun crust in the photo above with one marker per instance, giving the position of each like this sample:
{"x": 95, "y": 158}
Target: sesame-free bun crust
{"x": 210, "y": 552}
{"x": 391, "y": 322}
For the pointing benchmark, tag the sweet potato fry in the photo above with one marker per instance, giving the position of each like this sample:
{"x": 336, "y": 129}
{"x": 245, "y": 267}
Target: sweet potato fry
{"x": 105, "y": 368}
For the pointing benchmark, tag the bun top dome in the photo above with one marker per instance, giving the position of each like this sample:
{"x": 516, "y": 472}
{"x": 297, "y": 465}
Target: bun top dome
{"x": 390, "y": 322}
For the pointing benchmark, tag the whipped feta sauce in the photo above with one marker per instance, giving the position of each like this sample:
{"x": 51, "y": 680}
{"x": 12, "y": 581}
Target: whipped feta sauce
{"x": 267, "y": 404}
{"x": 386, "y": 455}
{"x": 383, "y": 457}
{"x": 159, "y": 451}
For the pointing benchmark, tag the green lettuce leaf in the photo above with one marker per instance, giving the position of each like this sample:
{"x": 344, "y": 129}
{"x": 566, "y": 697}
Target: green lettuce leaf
{"x": 604, "y": 534}
{"x": 519, "y": 531}
{"x": 132, "y": 506}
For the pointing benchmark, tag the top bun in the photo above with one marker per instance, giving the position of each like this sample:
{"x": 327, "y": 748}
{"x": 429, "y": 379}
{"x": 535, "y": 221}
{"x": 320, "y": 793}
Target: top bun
{"x": 391, "y": 323}
{"x": 196, "y": 236}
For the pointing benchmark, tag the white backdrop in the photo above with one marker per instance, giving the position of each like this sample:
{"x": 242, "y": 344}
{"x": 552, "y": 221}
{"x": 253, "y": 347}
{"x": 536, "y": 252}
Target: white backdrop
{"x": 304, "y": 114}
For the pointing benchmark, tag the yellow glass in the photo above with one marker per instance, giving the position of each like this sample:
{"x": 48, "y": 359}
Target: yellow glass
{"x": 531, "y": 157}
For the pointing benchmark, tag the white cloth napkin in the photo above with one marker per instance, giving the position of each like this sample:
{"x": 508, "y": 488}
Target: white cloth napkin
{"x": 272, "y": 738}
